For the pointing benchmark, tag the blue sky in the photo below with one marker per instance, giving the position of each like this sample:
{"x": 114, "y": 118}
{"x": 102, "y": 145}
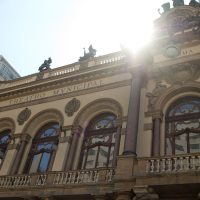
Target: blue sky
{"x": 33, "y": 30}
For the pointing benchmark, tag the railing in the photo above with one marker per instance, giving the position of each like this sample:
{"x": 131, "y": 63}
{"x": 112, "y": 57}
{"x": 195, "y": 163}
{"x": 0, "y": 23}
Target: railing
{"x": 53, "y": 179}
{"x": 173, "y": 164}
{"x": 110, "y": 58}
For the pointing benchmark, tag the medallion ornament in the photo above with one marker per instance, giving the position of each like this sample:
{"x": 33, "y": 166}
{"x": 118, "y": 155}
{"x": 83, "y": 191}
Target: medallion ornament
{"x": 72, "y": 106}
{"x": 23, "y": 116}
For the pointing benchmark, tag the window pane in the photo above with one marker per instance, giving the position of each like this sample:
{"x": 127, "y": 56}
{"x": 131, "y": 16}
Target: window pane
{"x": 111, "y": 157}
{"x": 35, "y": 163}
{"x": 194, "y": 142}
{"x": 44, "y": 162}
{"x": 91, "y": 159}
{"x": 4, "y": 139}
{"x": 168, "y": 146}
{"x": 103, "y": 156}
{"x": 181, "y": 144}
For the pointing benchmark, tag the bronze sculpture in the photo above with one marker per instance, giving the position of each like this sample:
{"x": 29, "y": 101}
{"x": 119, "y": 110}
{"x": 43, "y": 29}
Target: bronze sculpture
{"x": 90, "y": 54}
{"x": 45, "y": 65}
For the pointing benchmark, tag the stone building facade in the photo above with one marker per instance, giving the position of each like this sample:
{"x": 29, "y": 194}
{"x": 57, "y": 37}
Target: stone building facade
{"x": 119, "y": 126}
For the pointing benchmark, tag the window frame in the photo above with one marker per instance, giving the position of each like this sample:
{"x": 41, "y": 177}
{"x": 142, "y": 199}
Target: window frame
{"x": 2, "y": 134}
{"x": 179, "y": 118}
{"x": 37, "y": 140}
{"x": 89, "y": 133}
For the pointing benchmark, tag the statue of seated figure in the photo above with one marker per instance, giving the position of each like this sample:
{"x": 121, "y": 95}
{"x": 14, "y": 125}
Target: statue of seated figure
{"x": 45, "y": 65}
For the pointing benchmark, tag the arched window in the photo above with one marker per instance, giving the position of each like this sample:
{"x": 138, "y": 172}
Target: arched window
{"x": 183, "y": 126}
{"x": 43, "y": 149}
{"x": 4, "y": 140}
{"x": 99, "y": 142}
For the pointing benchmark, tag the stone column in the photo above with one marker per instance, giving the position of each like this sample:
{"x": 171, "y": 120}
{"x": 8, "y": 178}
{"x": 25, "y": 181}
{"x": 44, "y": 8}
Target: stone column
{"x": 100, "y": 197}
{"x": 65, "y": 140}
{"x": 157, "y": 117}
{"x": 24, "y": 140}
{"x": 133, "y": 114}
{"x": 144, "y": 193}
{"x": 124, "y": 195}
{"x": 76, "y": 131}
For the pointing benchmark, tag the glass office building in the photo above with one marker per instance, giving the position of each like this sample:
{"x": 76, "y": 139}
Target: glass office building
{"x": 7, "y": 72}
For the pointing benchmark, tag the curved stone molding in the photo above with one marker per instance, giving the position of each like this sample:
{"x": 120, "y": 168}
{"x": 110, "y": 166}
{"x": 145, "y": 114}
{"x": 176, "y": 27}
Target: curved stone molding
{"x": 174, "y": 91}
{"x": 72, "y": 106}
{"x": 181, "y": 73}
{"x": 23, "y": 116}
{"x": 7, "y": 123}
{"x": 41, "y": 118}
{"x": 96, "y": 107}
{"x": 157, "y": 91}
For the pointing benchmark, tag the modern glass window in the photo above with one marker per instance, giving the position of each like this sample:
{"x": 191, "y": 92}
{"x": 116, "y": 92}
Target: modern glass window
{"x": 183, "y": 126}
{"x": 4, "y": 140}
{"x": 99, "y": 142}
{"x": 43, "y": 149}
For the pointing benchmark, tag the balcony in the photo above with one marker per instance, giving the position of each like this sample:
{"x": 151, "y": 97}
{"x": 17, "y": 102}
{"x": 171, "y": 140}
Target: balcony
{"x": 56, "y": 179}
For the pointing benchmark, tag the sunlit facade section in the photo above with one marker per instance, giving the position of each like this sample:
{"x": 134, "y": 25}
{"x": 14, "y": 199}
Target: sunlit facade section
{"x": 122, "y": 126}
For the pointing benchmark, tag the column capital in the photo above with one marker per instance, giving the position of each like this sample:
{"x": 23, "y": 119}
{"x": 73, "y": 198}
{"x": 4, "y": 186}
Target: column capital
{"x": 158, "y": 114}
{"x": 67, "y": 139}
{"x": 100, "y": 197}
{"x": 66, "y": 128}
{"x": 144, "y": 192}
{"x": 124, "y": 195}
{"x": 77, "y": 129}
{"x": 25, "y": 137}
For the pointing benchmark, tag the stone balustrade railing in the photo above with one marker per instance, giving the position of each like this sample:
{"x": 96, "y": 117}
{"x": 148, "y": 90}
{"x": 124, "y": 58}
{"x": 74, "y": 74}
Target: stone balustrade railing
{"x": 173, "y": 164}
{"x": 52, "y": 179}
{"x": 110, "y": 58}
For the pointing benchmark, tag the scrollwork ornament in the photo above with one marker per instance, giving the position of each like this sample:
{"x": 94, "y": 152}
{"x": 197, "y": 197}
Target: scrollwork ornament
{"x": 72, "y": 106}
{"x": 23, "y": 116}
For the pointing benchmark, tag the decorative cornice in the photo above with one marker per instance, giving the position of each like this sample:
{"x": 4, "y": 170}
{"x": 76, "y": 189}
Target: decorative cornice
{"x": 65, "y": 81}
{"x": 67, "y": 95}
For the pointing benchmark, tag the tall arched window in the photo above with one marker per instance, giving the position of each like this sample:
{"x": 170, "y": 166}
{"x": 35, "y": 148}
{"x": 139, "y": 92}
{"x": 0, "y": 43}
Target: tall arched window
{"x": 4, "y": 140}
{"x": 99, "y": 142}
{"x": 43, "y": 149}
{"x": 183, "y": 126}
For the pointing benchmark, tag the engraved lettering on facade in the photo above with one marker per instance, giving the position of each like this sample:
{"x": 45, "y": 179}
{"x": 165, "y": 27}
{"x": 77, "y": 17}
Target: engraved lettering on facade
{"x": 186, "y": 52}
{"x": 65, "y": 90}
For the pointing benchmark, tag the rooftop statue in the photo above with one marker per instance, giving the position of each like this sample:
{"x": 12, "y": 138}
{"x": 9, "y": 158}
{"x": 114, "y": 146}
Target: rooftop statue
{"x": 178, "y": 3}
{"x": 194, "y": 3}
{"x": 45, "y": 65}
{"x": 90, "y": 54}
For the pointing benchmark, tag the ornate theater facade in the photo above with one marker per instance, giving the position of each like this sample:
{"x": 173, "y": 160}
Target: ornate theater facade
{"x": 119, "y": 126}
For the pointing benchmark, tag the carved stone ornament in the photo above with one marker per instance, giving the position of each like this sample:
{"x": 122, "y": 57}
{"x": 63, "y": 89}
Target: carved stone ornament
{"x": 23, "y": 116}
{"x": 72, "y": 106}
{"x": 178, "y": 20}
{"x": 171, "y": 51}
{"x": 181, "y": 73}
{"x": 159, "y": 88}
